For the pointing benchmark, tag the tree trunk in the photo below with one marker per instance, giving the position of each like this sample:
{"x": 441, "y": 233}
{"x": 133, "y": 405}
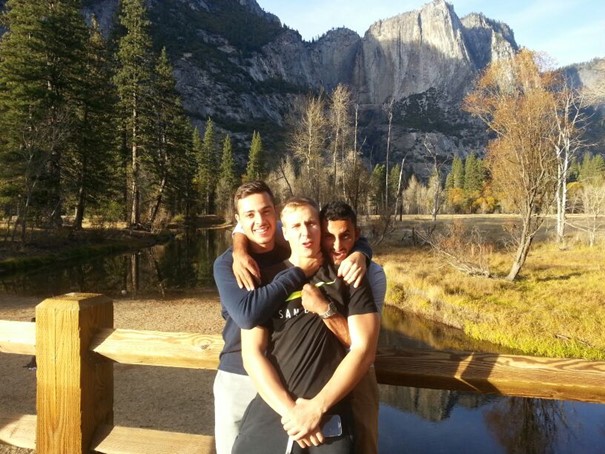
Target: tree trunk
{"x": 562, "y": 197}
{"x": 55, "y": 199}
{"x": 522, "y": 251}
{"x": 135, "y": 207}
{"x": 158, "y": 201}
{"x": 386, "y": 183}
{"x": 77, "y": 225}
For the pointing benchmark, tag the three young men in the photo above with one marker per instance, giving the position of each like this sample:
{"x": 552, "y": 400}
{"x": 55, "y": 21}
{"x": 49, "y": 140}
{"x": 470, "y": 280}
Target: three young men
{"x": 300, "y": 369}
{"x": 243, "y": 308}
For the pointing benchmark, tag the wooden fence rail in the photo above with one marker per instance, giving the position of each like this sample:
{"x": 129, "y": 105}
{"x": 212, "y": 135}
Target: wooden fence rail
{"x": 76, "y": 345}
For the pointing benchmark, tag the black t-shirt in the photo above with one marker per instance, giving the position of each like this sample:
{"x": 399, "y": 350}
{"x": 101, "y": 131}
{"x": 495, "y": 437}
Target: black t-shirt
{"x": 304, "y": 352}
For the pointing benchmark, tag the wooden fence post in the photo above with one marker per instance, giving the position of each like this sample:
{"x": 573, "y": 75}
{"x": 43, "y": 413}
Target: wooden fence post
{"x": 74, "y": 385}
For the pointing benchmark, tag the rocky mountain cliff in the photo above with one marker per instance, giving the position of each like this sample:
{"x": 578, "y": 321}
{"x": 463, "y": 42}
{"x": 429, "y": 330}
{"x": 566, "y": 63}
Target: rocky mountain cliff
{"x": 236, "y": 63}
{"x": 420, "y": 62}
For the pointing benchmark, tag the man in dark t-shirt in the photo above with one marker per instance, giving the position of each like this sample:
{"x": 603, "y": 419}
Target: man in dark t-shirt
{"x": 300, "y": 369}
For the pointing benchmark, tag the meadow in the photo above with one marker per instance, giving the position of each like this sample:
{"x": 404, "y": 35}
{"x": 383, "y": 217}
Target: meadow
{"x": 556, "y": 307}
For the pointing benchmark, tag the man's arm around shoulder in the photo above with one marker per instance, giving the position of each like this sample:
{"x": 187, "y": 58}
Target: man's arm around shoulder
{"x": 251, "y": 308}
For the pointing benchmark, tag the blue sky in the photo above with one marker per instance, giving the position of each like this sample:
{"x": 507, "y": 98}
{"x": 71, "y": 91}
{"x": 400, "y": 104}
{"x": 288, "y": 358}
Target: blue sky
{"x": 569, "y": 31}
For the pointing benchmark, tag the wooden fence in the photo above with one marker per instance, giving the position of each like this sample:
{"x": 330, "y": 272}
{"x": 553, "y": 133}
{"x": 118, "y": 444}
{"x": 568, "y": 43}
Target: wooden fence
{"x": 76, "y": 345}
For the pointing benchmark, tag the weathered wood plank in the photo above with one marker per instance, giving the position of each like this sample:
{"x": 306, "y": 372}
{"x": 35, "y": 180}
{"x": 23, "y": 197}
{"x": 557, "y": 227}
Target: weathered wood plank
{"x": 155, "y": 348}
{"x": 18, "y": 430}
{"x": 17, "y": 337}
{"x": 127, "y": 440}
{"x": 511, "y": 375}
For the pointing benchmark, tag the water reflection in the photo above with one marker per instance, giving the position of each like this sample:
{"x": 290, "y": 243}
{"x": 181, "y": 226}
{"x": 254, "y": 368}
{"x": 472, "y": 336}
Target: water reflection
{"x": 182, "y": 264}
{"x": 419, "y": 420}
{"x": 529, "y": 425}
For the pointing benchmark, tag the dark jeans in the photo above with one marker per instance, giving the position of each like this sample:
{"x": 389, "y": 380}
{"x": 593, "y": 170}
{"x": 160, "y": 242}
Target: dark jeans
{"x": 261, "y": 432}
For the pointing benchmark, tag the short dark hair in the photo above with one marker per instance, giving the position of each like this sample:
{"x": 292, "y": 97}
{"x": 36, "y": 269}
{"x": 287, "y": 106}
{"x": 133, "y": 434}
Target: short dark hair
{"x": 338, "y": 211}
{"x": 252, "y": 187}
{"x": 297, "y": 202}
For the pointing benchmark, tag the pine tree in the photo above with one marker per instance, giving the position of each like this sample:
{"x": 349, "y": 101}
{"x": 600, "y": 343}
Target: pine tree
{"x": 255, "y": 167}
{"x": 170, "y": 133}
{"x": 41, "y": 64}
{"x": 197, "y": 147}
{"x": 227, "y": 180}
{"x": 457, "y": 173}
{"x": 133, "y": 82}
{"x": 474, "y": 176}
{"x": 207, "y": 164}
{"x": 92, "y": 164}
{"x": 592, "y": 168}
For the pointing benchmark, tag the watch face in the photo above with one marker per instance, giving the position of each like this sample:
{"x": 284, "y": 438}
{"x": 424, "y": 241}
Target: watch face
{"x": 330, "y": 312}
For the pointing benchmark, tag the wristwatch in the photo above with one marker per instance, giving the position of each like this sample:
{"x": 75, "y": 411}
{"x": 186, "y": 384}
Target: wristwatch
{"x": 330, "y": 312}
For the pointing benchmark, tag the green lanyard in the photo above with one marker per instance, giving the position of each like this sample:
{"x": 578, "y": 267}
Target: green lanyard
{"x": 298, "y": 293}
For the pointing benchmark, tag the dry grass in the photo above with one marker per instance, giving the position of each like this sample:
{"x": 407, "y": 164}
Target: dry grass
{"x": 555, "y": 309}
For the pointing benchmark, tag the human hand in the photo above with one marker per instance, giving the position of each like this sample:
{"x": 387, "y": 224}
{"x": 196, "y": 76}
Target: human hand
{"x": 310, "y": 265}
{"x": 245, "y": 270}
{"x": 303, "y": 420}
{"x": 353, "y": 268}
{"x": 314, "y": 439}
{"x": 313, "y": 300}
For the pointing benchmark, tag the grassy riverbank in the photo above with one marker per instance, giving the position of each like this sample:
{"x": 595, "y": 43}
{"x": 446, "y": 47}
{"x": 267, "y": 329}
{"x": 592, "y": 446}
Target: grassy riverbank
{"x": 555, "y": 309}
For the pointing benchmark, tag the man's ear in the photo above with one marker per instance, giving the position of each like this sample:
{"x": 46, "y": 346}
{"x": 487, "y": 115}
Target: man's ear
{"x": 357, "y": 233}
{"x": 237, "y": 218}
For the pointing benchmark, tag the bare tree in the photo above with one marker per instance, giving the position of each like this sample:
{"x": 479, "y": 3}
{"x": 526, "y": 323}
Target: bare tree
{"x": 514, "y": 98}
{"x": 308, "y": 142}
{"x": 567, "y": 142}
{"x": 340, "y": 105}
{"x": 592, "y": 194}
{"x": 389, "y": 110}
{"x": 435, "y": 181}
{"x": 399, "y": 196}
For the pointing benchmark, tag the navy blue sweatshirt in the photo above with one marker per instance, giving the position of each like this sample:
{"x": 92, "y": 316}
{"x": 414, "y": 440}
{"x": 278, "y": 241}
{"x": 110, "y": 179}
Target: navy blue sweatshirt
{"x": 246, "y": 309}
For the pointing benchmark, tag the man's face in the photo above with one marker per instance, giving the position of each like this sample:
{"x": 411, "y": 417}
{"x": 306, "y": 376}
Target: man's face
{"x": 302, "y": 231}
{"x": 256, "y": 214}
{"x": 338, "y": 238}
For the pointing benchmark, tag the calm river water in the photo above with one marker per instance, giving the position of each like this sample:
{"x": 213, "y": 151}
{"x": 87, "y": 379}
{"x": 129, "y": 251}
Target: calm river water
{"x": 412, "y": 420}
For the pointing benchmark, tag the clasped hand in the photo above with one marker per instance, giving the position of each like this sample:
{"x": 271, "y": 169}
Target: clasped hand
{"x": 302, "y": 423}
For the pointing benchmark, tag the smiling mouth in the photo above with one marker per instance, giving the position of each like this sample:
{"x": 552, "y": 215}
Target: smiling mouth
{"x": 261, "y": 230}
{"x": 338, "y": 257}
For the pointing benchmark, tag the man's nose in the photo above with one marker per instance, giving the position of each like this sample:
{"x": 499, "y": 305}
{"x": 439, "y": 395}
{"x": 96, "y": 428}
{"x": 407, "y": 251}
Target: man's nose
{"x": 337, "y": 244}
{"x": 258, "y": 218}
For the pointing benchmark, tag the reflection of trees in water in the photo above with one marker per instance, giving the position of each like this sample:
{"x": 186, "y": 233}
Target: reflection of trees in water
{"x": 528, "y": 426}
{"x": 430, "y": 404}
{"x": 402, "y": 329}
{"x": 181, "y": 264}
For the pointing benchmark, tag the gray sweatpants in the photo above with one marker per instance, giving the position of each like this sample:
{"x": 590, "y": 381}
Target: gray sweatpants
{"x": 232, "y": 395}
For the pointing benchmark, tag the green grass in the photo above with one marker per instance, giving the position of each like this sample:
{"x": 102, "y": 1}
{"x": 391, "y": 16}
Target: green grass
{"x": 556, "y": 308}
